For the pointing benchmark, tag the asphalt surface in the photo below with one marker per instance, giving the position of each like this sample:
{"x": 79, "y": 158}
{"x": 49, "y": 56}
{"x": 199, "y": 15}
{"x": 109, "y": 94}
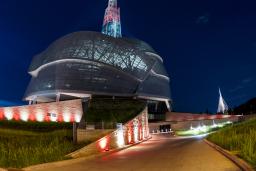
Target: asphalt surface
{"x": 162, "y": 152}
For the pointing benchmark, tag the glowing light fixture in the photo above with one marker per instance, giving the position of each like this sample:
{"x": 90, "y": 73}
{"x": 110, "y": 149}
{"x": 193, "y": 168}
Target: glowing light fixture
{"x": 135, "y": 130}
{"x": 203, "y": 128}
{"x": 40, "y": 115}
{"x": 8, "y": 113}
{"x": 78, "y": 116}
{"x": 143, "y": 133}
{"x": 228, "y": 122}
{"x": 214, "y": 125}
{"x": 45, "y": 112}
{"x": 191, "y": 127}
{"x": 66, "y": 116}
{"x": 220, "y": 125}
{"x": 120, "y": 136}
{"x": 24, "y": 115}
{"x": 129, "y": 137}
{"x": 103, "y": 142}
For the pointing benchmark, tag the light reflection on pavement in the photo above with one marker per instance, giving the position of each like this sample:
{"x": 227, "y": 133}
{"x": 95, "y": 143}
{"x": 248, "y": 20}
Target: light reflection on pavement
{"x": 162, "y": 152}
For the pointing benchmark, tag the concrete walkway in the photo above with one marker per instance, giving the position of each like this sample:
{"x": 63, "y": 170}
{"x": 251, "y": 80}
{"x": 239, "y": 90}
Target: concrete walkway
{"x": 161, "y": 153}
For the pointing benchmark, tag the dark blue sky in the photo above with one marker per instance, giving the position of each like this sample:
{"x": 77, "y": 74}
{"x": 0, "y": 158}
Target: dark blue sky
{"x": 204, "y": 44}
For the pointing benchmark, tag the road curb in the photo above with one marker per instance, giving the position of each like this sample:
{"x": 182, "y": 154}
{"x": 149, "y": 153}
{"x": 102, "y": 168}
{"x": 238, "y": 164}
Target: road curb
{"x": 114, "y": 150}
{"x": 10, "y": 169}
{"x": 131, "y": 145}
{"x": 105, "y": 152}
{"x": 239, "y": 162}
{"x": 120, "y": 149}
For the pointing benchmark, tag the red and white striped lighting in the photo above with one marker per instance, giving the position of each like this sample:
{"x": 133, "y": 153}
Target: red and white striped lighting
{"x": 65, "y": 111}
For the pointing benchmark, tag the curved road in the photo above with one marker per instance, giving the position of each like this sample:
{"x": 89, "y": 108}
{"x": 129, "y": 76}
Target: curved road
{"x": 160, "y": 153}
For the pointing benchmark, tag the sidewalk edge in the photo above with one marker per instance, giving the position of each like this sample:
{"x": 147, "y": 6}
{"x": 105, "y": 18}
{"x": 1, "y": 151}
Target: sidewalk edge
{"x": 239, "y": 162}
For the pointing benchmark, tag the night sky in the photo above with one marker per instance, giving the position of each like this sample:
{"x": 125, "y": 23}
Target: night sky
{"x": 204, "y": 44}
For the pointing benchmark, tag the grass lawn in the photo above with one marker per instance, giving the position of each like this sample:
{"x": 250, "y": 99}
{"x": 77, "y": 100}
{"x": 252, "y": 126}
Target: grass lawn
{"x": 239, "y": 139}
{"x": 23, "y": 148}
{"x": 19, "y": 148}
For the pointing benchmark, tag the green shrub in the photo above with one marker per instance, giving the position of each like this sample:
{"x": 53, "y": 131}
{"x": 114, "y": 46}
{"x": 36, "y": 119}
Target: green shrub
{"x": 35, "y": 126}
{"x": 109, "y": 110}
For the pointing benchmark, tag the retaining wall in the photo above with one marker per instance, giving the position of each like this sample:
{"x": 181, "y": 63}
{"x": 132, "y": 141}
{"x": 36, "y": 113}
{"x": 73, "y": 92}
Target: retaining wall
{"x": 134, "y": 131}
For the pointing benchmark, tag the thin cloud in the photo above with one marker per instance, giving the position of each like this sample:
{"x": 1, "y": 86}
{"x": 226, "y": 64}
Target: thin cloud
{"x": 237, "y": 88}
{"x": 247, "y": 80}
{"x": 244, "y": 83}
{"x": 239, "y": 97}
{"x": 203, "y": 19}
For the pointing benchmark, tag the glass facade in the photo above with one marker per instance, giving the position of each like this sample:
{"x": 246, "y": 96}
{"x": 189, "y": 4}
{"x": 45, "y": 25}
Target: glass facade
{"x": 97, "y": 64}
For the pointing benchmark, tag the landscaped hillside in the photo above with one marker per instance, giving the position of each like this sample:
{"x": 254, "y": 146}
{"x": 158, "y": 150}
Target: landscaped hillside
{"x": 27, "y": 143}
{"x": 247, "y": 108}
{"x": 24, "y": 148}
{"x": 239, "y": 138}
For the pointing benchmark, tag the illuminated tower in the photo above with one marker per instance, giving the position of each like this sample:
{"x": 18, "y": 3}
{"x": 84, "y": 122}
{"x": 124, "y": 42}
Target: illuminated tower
{"x": 112, "y": 24}
{"x": 222, "y": 107}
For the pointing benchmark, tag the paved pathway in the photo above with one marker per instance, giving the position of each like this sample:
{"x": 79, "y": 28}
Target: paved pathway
{"x": 161, "y": 153}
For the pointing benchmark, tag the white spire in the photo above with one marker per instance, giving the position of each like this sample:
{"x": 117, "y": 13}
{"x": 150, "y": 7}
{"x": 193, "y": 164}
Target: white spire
{"x": 222, "y": 107}
{"x": 112, "y": 3}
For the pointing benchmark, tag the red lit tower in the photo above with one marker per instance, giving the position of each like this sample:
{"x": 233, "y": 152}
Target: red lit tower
{"x": 112, "y": 24}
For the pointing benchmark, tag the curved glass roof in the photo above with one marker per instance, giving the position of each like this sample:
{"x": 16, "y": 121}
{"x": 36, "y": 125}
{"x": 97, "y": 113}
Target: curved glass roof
{"x": 125, "y": 54}
{"x": 93, "y": 63}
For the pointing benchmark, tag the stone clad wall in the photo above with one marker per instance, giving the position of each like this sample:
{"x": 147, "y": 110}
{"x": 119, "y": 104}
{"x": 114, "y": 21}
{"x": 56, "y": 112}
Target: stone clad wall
{"x": 134, "y": 131}
{"x": 64, "y": 111}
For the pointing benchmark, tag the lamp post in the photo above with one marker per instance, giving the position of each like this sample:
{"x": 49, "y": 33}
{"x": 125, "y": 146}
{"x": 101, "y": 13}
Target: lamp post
{"x": 74, "y": 132}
